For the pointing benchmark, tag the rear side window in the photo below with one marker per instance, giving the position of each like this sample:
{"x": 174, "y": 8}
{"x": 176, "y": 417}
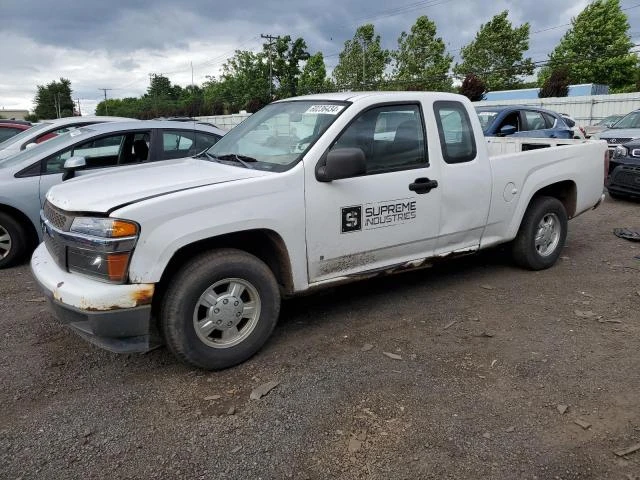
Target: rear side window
{"x": 185, "y": 143}
{"x": 456, "y": 135}
{"x": 535, "y": 121}
{"x": 552, "y": 122}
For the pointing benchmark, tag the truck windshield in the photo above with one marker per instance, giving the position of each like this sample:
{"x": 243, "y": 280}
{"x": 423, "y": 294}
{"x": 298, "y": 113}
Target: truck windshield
{"x": 276, "y": 137}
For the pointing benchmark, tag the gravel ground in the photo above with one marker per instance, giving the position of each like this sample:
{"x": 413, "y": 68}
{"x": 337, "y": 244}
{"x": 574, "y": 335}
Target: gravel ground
{"x": 487, "y": 358}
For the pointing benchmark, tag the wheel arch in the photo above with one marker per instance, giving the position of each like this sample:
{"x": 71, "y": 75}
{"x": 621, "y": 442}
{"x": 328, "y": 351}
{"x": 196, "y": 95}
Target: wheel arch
{"x": 566, "y": 191}
{"x": 265, "y": 244}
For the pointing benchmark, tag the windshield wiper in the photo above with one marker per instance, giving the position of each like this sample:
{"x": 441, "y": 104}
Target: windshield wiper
{"x": 234, "y": 157}
{"x": 230, "y": 157}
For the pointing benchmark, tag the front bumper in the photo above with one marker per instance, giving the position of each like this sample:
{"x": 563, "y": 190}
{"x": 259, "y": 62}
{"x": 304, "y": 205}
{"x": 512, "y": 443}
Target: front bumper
{"x": 624, "y": 180}
{"x": 113, "y": 317}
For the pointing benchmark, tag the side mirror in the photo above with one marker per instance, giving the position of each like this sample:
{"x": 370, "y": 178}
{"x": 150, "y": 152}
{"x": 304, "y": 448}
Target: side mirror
{"x": 30, "y": 145}
{"x": 342, "y": 163}
{"x": 507, "y": 130}
{"x": 71, "y": 165}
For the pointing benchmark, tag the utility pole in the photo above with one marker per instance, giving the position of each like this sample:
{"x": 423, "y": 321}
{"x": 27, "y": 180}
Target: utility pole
{"x": 363, "y": 57}
{"x": 271, "y": 38}
{"x": 106, "y": 111}
{"x": 79, "y": 111}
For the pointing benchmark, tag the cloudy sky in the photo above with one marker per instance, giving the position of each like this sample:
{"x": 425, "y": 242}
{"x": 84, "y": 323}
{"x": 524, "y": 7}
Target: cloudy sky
{"x": 116, "y": 44}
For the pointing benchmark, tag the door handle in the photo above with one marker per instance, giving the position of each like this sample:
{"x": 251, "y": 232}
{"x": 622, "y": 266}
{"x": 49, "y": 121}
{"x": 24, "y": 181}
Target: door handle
{"x": 423, "y": 185}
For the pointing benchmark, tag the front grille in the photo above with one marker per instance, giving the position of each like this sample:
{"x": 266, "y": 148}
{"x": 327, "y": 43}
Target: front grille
{"x": 58, "y": 218}
{"x": 57, "y": 250}
{"x": 616, "y": 140}
{"x": 627, "y": 176}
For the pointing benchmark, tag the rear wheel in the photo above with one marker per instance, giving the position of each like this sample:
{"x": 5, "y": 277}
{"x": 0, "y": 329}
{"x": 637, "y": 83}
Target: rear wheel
{"x": 220, "y": 309}
{"x": 542, "y": 234}
{"x": 13, "y": 241}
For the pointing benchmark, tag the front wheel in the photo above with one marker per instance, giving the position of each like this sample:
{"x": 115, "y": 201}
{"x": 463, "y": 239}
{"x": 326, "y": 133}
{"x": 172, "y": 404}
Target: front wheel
{"x": 220, "y": 309}
{"x": 542, "y": 234}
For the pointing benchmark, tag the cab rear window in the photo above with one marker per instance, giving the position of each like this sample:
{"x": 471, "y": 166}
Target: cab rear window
{"x": 454, "y": 129}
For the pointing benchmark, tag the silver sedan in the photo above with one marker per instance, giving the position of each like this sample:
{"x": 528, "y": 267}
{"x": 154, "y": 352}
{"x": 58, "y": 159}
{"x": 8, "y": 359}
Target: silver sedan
{"x": 26, "y": 177}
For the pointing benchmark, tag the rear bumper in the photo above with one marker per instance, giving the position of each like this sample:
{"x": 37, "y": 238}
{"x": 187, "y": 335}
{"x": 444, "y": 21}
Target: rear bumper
{"x": 113, "y": 317}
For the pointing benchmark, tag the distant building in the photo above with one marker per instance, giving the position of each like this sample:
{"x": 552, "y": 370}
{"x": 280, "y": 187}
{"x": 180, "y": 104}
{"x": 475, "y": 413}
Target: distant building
{"x": 15, "y": 114}
{"x": 532, "y": 93}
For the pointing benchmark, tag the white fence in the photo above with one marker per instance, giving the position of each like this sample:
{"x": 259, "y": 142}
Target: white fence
{"x": 585, "y": 110}
{"x": 226, "y": 122}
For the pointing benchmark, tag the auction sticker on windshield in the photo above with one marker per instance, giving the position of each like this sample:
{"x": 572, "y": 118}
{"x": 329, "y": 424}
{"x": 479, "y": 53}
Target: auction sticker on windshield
{"x": 325, "y": 109}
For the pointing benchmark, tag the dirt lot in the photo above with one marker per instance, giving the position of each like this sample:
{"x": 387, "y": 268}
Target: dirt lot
{"x": 488, "y": 355}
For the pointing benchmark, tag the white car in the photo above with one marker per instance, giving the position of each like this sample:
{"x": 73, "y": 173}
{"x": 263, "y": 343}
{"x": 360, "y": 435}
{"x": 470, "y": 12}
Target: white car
{"x": 199, "y": 251}
{"x": 26, "y": 176}
{"x": 48, "y": 129}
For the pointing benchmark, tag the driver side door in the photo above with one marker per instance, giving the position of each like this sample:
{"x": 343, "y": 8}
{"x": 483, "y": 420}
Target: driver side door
{"x": 383, "y": 217}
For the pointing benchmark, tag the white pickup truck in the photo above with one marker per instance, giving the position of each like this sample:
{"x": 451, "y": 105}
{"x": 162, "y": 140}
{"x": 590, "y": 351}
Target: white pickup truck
{"x": 308, "y": 192}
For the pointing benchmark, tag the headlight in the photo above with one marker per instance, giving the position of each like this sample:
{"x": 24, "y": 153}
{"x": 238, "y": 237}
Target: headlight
{"x": 107, "y": 255}
{"x": 620, "y": 151}
{"x": 104, "y": 227}
{"x": 108, "y": 267}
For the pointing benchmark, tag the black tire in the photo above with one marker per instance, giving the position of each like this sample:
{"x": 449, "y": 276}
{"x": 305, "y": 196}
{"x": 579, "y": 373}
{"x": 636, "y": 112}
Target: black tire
{"x": 182, "y": 297}
{"x": 15, "y": 253}
{"x": 524, "y": 250}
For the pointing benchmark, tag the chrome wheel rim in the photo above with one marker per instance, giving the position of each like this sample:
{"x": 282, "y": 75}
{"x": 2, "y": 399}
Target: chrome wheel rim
{"x": 226, "y": 313}
{"x": 5, "y": 243}
{"x": 548, "y": 234}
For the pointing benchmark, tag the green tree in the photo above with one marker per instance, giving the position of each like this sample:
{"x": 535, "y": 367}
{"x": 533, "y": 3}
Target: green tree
{"x": 596, "y": 49}
{"x": 54, "y": 100}
{"x": 496, "y": 55}
{"x": 557, "y": 85}
{"x": 160, "y": 87}
{"x": 244, "y": 82}
{"x": 362, "y": 61}
{"x": 286, "y": 58}
{"x": 421, "y": 62}
{"x": 314, "y": 76}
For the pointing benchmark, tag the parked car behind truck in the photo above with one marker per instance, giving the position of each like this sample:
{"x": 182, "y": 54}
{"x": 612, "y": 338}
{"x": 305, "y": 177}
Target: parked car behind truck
{"x": 46, "y": 130}
{"x": 26, "y": 177}
{"x": 522, "y": 121}
{"x": 624, "y": 171}
{"x": 201, "y": 253}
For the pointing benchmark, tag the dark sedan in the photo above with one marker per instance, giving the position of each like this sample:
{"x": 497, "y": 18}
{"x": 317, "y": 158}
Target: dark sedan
{"x": 624, "y": 171}
{"x": 522, "y": 121}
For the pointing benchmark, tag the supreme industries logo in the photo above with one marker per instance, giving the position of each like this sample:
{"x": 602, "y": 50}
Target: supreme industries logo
{"x": 351, "y": 219}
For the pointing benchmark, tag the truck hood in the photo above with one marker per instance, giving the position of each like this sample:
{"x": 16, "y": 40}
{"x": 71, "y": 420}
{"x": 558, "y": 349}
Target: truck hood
{"x": 103, "y": 191}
